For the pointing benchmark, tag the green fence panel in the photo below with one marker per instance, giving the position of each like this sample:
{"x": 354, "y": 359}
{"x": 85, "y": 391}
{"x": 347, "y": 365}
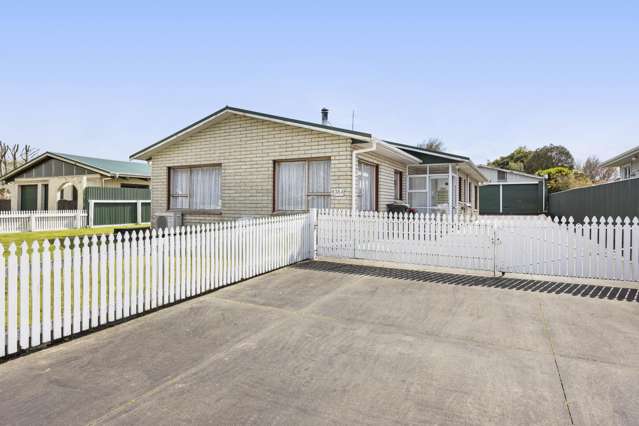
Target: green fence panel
{"x": 615, "y": 199}
{"x": 489, "y": 199}
{"x": 117, "y": 213}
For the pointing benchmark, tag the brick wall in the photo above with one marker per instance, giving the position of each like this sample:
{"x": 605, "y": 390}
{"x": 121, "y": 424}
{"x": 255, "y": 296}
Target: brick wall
{"x": 246, "y": 148}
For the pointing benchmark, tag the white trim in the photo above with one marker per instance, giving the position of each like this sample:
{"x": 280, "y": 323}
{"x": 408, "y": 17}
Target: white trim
{"x": 509, "y": 183}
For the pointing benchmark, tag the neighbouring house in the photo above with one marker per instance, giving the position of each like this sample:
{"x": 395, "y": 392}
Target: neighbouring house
{"x": 509, "y": 192}
{"x": 55, "y": 181}
{"x": 627, "y": 163}
{"x": 236, "y": 163}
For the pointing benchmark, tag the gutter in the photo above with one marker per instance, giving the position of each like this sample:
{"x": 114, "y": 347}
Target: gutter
{"x": 354, "y": 171}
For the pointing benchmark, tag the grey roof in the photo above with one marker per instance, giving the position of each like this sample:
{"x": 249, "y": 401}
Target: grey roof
{"x": 428, "y": 151}
{"x": 113, "y": 168}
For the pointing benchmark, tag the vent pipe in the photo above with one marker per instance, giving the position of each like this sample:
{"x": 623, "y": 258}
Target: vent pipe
{"x": 325, "y": 116}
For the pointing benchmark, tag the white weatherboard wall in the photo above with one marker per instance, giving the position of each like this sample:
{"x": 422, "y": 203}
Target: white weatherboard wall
{"x": 603, "y": 248}
{"x": 74, "y": 286}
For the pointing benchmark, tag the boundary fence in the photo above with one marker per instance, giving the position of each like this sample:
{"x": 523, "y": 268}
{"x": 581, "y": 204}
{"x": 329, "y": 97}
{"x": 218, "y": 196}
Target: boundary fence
{"x": 54, "y": 291}
{"x": 42, "y": 220}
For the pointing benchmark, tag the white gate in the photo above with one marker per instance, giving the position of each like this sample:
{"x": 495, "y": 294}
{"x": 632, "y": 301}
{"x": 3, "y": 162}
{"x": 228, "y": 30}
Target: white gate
{"x": 598, "y": 248}
{"x": 532, "y": 245}
{"x": 433, "y": 240}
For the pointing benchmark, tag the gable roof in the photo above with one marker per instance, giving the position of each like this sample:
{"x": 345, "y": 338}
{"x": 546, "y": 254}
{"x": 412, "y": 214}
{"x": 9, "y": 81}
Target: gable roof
{"x": 145, "y": 153}
{"x": 622, "y": 158}
{"x": 482, "y": 166}
{"x": 102, "y": 166}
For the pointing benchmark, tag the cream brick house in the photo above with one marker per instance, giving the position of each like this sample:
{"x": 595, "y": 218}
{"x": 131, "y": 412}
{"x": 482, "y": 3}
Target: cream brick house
{"x": 236, "y": 163}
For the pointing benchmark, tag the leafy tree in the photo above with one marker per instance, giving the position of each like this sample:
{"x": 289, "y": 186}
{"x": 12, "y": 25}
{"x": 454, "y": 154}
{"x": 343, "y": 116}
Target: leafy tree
{"x": 595, "y": 172}
{"x": 562, "y": 178}
{"x": 513, "y": 161}
{"x": 548, "y": 157}
{"x": 432, "y": 144}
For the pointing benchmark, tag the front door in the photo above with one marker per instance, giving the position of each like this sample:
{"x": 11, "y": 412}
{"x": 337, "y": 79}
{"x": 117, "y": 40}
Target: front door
{"x": 28, "y": 197}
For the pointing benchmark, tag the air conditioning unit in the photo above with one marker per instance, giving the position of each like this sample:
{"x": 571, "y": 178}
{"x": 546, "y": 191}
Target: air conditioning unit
{"x": 167, "y": 220}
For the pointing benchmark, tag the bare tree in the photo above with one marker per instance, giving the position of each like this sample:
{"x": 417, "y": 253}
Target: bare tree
{"x": 4, "y": 151}
{"x": 28, "y": 153}
{"x": 593, "y": 169}
{"x": 432, "y": 144}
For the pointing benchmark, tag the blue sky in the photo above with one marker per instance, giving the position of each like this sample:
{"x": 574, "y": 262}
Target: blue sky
{"x": 108, "y": 79}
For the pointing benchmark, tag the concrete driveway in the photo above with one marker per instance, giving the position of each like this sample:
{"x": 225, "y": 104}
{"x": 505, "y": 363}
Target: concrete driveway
{"x": 338, "y": 343}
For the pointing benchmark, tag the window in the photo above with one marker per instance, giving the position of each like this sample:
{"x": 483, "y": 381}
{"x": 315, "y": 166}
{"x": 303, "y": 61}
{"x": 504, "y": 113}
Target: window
{"x": 625, "y": 172}
{"x": 501, "y": 176}
{"x": 302, "y": 185}
{"x": 195, "y": 188}
{"x": 399, "y": 180}
{"x": 367, "y": 187}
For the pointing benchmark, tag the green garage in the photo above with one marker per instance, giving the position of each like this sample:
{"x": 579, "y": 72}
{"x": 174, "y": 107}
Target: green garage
{"x": 512, "y": 198}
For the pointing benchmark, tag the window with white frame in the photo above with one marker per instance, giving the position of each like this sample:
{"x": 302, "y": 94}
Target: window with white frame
{"x": 195, "y": 188}
{"x": 625, "y": 172}
{"x": 302, "y": 185}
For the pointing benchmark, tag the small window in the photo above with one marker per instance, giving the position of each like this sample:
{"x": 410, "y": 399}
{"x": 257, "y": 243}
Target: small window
{"x": 625, "y": 172}
{"x": 501, "y": 176}
{"x": 399, "y": 180}
{"x": 195, "y": 188}
{"x": 302, "y": 185}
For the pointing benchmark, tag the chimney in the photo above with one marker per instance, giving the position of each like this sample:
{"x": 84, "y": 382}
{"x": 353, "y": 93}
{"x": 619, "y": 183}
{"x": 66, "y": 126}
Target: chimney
{"x": 325, "y": 116}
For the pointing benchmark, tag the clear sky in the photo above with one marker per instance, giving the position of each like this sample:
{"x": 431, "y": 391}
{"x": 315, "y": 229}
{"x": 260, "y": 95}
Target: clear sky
{"x": 108, "y": 79}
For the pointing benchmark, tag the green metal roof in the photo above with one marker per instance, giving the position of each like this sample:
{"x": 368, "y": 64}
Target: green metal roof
{"x": 113, "y": 167}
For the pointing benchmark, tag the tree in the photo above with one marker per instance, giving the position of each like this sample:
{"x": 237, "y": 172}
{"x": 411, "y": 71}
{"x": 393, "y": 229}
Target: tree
{"x": 513, "y": 161}
{"x": 562, "y": 178}
{"x": 547, "y": 157}
{"x": 432, "y": 144}
{"x": 595, "y": 172}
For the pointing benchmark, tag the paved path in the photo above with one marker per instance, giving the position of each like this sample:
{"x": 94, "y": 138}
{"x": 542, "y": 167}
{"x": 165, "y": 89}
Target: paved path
{"x": 334, "y": 343}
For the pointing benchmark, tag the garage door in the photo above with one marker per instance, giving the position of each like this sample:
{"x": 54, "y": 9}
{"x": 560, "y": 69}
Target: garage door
{"x": 28, "y": 197}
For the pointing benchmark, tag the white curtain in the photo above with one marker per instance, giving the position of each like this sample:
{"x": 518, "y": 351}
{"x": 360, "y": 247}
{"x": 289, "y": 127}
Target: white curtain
{"x": 291, "y": 185}
{"x": 179, "y": 188}
{"x": 366, "y": 187}
{"x": 319, "y": 182}
{"x": 205, "y": 188}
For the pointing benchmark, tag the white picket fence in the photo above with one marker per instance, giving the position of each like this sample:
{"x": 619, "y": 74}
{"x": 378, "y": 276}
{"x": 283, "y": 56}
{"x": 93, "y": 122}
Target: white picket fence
{"x": 603, "y": 248}
{"x": 57, "y": 290}
{"x": 42, "y": 220}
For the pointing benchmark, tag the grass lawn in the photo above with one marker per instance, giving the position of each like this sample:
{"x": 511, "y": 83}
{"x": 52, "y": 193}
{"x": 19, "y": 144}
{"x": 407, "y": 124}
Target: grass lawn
{"x": 29, "y": 237}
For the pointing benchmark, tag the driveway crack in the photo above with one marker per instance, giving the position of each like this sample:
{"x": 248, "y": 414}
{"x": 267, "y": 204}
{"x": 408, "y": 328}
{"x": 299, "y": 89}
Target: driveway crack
{"x": 554, "y": 357}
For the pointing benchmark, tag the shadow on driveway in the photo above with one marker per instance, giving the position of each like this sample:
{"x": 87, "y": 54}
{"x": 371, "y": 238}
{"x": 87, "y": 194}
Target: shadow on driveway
{"x": 551, "y": 287}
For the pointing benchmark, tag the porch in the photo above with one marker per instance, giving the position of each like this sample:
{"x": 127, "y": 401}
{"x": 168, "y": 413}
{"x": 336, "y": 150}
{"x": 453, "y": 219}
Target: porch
{"x": 447, "y": 188}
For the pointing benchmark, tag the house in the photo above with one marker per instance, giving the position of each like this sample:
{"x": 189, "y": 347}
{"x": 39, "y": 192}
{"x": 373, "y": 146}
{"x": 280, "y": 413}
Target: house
{"x": 236, "y": 163}
{"x": 510, "y": 192}
{"x": 55, "y": 181}
{"x": 627, "y": 163}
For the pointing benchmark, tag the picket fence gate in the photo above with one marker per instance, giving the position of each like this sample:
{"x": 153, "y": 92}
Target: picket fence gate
{"x": 57, "y": 290}
{"x": 598, "y": 248}
{"x": 42, "y": 220}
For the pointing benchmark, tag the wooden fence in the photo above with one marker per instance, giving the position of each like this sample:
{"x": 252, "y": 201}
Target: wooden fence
{"x": 42, "y": 220}
{"x": 57, "y": 290}
{"x": 598, "y": 248}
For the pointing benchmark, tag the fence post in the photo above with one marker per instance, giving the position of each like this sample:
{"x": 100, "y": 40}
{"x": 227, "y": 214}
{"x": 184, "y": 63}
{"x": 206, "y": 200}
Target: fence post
{"x": 139, "y": 212}
{"x": 78, "y": 219}
{"x": 32, "y": 222}
{"x": 314, "y": 234}
{"x": 90, "y": 212}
